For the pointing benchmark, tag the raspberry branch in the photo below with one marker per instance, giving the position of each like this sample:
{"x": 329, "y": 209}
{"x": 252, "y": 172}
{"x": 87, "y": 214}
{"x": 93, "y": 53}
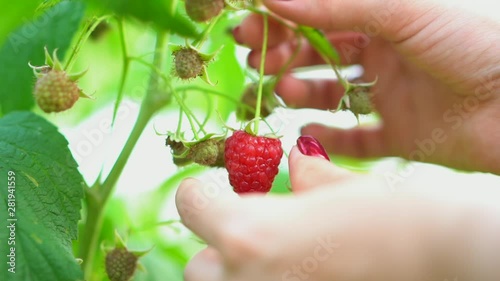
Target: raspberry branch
{"x": 204, "y": 36}
{"x": 88, "y": 28}
{"x": 97, "y": 196}
{"x": 213, "y": 92}
{"x": 190, "y": 115}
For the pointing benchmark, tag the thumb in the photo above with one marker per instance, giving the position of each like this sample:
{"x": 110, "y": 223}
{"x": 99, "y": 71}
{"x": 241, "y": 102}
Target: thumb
{"x": 366, "y": 16}
{"x": 308, "y": 172}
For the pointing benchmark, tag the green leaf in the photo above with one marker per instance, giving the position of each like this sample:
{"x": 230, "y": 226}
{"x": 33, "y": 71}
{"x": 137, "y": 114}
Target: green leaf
{"x": 48, "y": 193}
{"x": 318, "y": 40}
{"x": 162, "y": 13}
{"x": 55, "y": 29}
{"x": 13, "y": 14}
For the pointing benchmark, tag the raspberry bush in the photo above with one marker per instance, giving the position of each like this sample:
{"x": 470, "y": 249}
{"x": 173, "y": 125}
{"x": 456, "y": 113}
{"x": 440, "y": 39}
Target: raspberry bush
{"x": 174, "y": 68}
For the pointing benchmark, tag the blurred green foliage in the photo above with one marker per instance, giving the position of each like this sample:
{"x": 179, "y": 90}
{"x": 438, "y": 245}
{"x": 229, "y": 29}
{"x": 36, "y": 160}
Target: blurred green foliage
{"x": 145, "y": 222}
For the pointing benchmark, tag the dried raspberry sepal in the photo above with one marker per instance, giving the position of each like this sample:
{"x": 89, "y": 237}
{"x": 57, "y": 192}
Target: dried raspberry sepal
{"x": 310, "y": 146}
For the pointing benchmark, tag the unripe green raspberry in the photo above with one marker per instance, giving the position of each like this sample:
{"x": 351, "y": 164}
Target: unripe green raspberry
{"x": 188, "y": 63}
{"x": 55, "y": 91}
{"x": 203, "y": 10}
{"x": 208, "y": 153}
{"x": 360, "y": 101}
{"x": 120, "y": 264}
{"x": 179, "y": 152}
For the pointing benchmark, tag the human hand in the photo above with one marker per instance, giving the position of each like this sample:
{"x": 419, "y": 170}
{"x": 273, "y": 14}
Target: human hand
{"x": 438, "y": 69}
{"x": 337, "y": 226}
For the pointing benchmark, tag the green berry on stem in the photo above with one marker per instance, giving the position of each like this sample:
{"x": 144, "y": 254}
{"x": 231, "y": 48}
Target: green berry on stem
{"x": 208, "y": 152}
{"x": 203, "y": 10}
{"x": 179, "y": 152}
{"x": 360, "y": 101}
{"x": 120, "y": 263}
{"x": 55, "y": 90}
{"x": 188, "y": 63}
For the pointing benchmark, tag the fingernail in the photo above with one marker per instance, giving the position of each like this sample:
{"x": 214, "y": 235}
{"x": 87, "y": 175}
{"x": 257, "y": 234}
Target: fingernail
{"x": 310, "y": 146}
{"x": 237, "y": 35}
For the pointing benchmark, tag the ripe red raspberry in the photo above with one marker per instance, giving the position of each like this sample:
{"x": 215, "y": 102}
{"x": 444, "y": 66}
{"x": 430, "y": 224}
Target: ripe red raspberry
{"x": 252, "y": 161}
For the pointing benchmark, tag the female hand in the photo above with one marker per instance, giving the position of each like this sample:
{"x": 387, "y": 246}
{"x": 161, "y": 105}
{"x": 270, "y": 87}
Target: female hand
{"x": 438, "y": 71}
{"x": 338, "y": 226}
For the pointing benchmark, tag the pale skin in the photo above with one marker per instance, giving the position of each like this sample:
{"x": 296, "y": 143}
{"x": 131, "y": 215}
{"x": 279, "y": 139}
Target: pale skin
{"x": 343, "y": 226}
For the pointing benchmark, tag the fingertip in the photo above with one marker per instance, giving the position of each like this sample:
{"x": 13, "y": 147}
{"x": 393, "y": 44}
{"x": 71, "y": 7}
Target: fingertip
{"x": 187, "y": 182}
{"x": 309, "y": 172}
{"x": 182, "y": 198}
{"x": 291, "y": 91}
{"x": 309, "y": 93}
{"x": 298, "y": 159}
{"x": 253, "y": 59}
{"x": 294, "y": 155}
{"x": 237, "y": 35}
{"x": 184, "y": 188}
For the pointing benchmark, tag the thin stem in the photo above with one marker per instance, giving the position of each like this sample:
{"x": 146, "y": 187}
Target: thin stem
{"x": 150, "y": 65}
{"x": 337, "y": 73}
{"x": 147, "y": 110}
{"x": 88, "y": 28}
{"x": 126, "y": 67}
{"x": 213, "y": 92}
{"x": 274, "y": 17}
{"x": 189, "y": 114}
{"x": 88, "y": 242}
{"x": 199, "y": 42}
{"x": 261, "y": 73}
{"x": 141, "y": 122}
{"x": 207, "y": 116}
{"x": 100, "y": 193}
{"x": 179, "y": 122}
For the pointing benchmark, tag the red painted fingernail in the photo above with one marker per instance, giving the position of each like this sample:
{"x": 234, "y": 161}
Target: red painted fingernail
{"x": 310, "y": 146}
